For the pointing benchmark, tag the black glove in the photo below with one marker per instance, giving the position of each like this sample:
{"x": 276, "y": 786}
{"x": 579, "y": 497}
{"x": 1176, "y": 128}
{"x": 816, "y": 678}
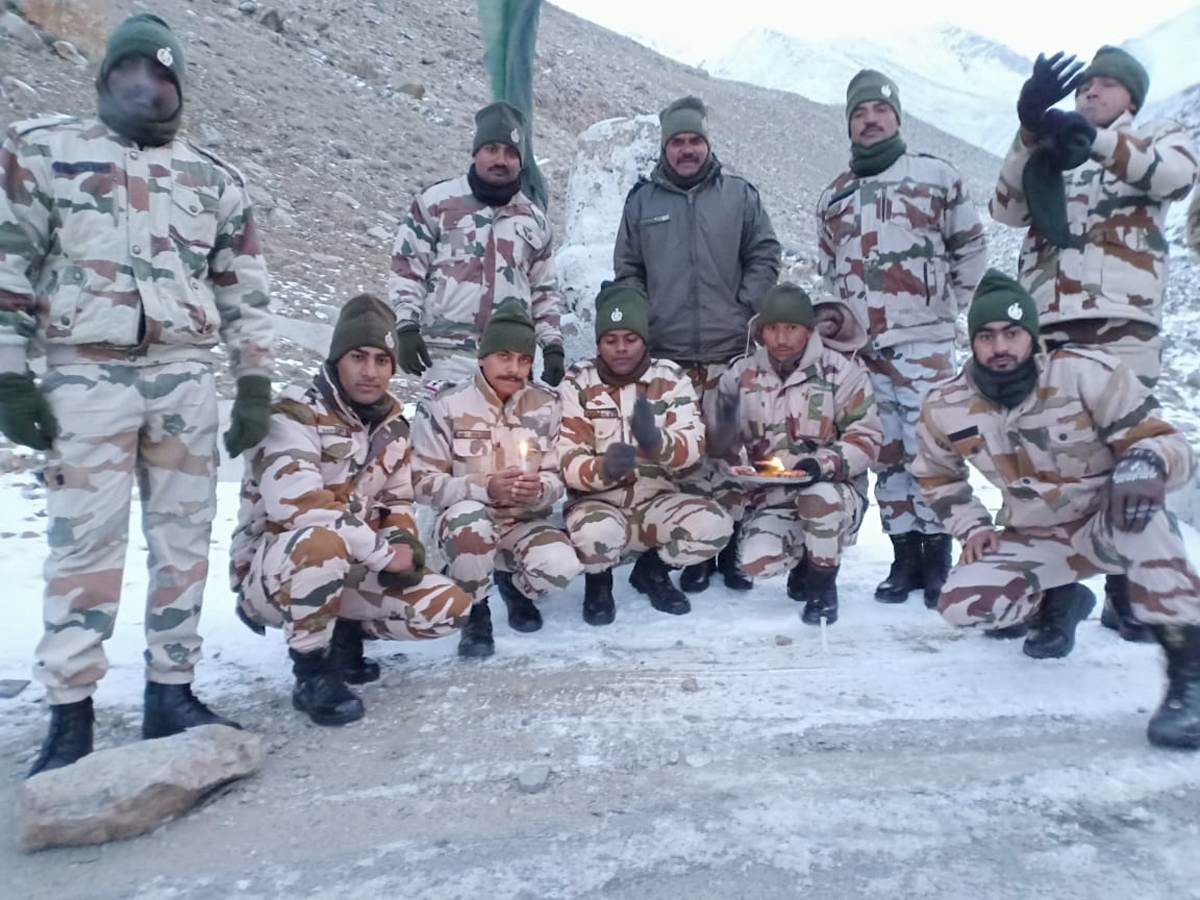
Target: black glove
{"x": 648, "y": 435}
{"x": 250, "y": 418}
{"x": 414, "y": 357}
{"x": 723, "y": 433}
{"x": 553, "y": 365}
{"x": 25, "y": 416}
{"x": 1052, "y": 80}
{"x": 619, "y": 461}
{"x": 1068, "y": 137}
{"x": 809, "y": 466}
{"x": 1137, "y": 487}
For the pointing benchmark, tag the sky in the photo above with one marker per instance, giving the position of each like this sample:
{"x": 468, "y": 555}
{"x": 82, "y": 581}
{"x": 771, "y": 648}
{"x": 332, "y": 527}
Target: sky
{"x": 1028, "y": 26}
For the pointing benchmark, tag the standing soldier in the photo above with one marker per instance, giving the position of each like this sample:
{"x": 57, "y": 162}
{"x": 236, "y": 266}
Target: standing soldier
{"x": 900, "y": 240}
{"x": 631, "y": 429}
{"x": 326, "y": 546}
{"x": 485, "y": 458}
{"x": 1083, "y": 458}
{"x": 1095, "y": 256}
{"x": 808, "y": 405}
{"x": 128, "y": 253}
{"x": 698, "y": 242}
{"x": 466, "y": 245}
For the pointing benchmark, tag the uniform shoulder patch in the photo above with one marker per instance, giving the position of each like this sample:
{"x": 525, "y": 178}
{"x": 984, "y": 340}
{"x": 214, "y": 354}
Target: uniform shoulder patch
{"x": 238, "y": 177}
{"x": 29, "y": 125}
{"x": 294, "y": 409}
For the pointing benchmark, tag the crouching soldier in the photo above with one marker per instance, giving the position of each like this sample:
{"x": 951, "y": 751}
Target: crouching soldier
{"x": 484, "y": 457}
{"x": 326, "y": 544}
{"x": 811, "y": 407}
{"x": 631, "y": 428}
{"x": 1082, "y": 457}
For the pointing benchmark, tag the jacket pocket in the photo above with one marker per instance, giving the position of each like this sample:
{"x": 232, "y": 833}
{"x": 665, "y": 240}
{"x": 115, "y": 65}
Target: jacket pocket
{"x": 472, "y": 453}
{"x": 193, "y": 225}
{"x": 1132, "y": 265}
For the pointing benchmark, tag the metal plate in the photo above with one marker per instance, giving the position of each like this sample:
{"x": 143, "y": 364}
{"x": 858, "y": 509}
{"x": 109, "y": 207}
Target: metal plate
{"x": 746, "y": 475}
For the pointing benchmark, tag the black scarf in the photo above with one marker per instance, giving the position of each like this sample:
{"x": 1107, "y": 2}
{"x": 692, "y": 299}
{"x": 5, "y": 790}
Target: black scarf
{"x": 1008, "y": 389}
{"x": 492, "y": 194}
{"x": 686, "y": 184}
{"x": 143, "y": 132}
{"x": 1065, "y": 143}
{"x": 876, "y": 158}
{"x": 785, "y": 368}
{"x": 370, "y": 414}
{"x": 611, "y": 378}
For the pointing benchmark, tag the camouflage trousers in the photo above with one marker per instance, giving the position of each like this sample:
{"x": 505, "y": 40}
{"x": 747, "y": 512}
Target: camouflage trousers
{"x": 711, "y": 478}
{"x": 1137, "y": 344}
{"x": 901, "y": 376}
{"x": 817, "y": 522}
{"x": 154, "y": 426}
{"x": 476, "y": 542}
{"x": 684, "y": 529}
{"x": 304, "y": 581}
{"x": 1006, "y": 587}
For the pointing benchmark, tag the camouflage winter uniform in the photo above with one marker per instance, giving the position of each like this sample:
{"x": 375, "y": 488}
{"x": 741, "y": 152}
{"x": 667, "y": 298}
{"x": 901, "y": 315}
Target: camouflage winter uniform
{"x": 1051, "y": 457}
{"x": 609, "y": 520}
{"x": 905, "y": 247}
{"x": 462, "y": 436}
{"x": 128, "y": 265}
{"x": 1193, "y": 223}
{"x": 455, "y": 258}
{"x": 324, "y": 500}
{"x": 824, "y": 409}
{"x": 1105, "y": 289}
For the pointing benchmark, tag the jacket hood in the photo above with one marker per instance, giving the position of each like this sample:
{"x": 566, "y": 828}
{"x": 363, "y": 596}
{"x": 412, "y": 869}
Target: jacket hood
{"x": 850, "y": 337}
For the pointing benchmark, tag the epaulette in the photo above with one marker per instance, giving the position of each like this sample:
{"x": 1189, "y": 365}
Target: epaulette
{"x": 212, "y": 157}
{"x": 641, "y": 183}
{"x": 935, "y": 158}
{"x": 28, "y": 125}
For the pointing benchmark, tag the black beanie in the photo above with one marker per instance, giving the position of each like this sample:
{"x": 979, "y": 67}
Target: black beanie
{"x": 499, "y": 123}
{"x": 510, "y": 329}
{"x": 1001, "y": 299}
{"x": 365, "y": 321}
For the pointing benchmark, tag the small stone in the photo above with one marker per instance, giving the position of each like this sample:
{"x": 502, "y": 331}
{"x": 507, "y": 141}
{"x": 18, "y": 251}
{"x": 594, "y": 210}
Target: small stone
{"x": 67, "y": 51}
{"x": 341, "y": 148}
{"x": 533, "y": 779}
{"x": 379, "y": 233}
{"x": 344, "y": 198}
{"x": 782, "y": 640}
{"x": 273, "y": 20}
{"x": 280, "y": 218}
{"x": 249, "y": 7}
{"x": 690, "y": 685}
{"x": 416, "y": 91}
{"x": 15, "y": 87}
{"x": 674, "y": 757}
{"x": 211, "y": 136}
{"x": 20, "y": 31}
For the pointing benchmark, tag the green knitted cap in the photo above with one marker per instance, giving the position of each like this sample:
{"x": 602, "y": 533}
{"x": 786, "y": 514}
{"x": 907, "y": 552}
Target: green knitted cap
{"x": 365, "y": 321}
{"x": 619, "y": 307}
{"x": 499, "y": 123}
{"x": 785, "y": 302}
{"x": 147, "y": 36}
{"x": 685, "y": 115}
{"x": 1001, "y": 299}
{"x": 868, "y": 86}
{"x": 509, "y": 330}
{"x": 1113, "y": 62}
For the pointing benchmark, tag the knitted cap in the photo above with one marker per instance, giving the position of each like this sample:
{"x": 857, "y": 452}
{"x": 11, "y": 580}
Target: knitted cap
{"x": 685, "y": 115}
{"x": 499, "y": 123}
{"x": 785, "y": 302}
{"x": 868, "y": 86}
{"x": 365, "y": 321}
{"x": 1000, "y": 299}
{"x": 146, "y": 36}
{"x": 509, "y": 330}
{"x": 1113, "y": 62}
{"x": 619, "y": 307}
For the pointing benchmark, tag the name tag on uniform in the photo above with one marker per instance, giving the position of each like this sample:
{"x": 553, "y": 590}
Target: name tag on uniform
{"x": 602, "y": 413}
{"x": 654, "y": 220}
{"x": 964, "y": 434}
{"x": 337, "y": 430}
{"x": 475, "y": 434}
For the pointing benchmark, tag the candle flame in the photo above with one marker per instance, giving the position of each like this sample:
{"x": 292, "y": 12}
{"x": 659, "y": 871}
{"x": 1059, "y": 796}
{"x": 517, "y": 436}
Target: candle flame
{"x": 774, "y": 464}
{"x": 523, "y": 449}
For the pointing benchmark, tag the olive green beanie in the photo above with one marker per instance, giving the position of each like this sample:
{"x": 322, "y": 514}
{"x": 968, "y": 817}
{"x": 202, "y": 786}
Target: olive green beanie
{"x": 509, "y": 330}
{"x": 365, "y": 321}
{"x": 499, "y": 123}
{"x": 146, "y": 36}
{"x": 785, "y": 302}
{"x": 869, "y": 86}
{"x": 1115, "y": 63}
{"x": 685, "y": 115}
{"x": 1001, "y": 299}
{"x": 620, "y": 307}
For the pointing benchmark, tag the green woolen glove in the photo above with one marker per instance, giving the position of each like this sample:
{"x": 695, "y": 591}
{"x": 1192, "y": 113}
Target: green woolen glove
{"x": 553, "y": 365}
{"x": 414, "y": 357}
{"x": 25, "y": 416}
{"x": 413, "y": 576}
{"x": 250, "y": 418}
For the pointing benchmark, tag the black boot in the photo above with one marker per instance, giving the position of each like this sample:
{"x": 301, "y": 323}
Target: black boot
{"x": 652, "y": 577}
{"x": 1052, "y": 630}
{"x": 823, "y": 602}
{"x": 1008, "y": 632}
{"x": 935, "y": 566}
{"x": 905, "y": 574}
{"x": 476, "y": 641}
{"x": 598, "y": 607}
{"x": 1118, "y": 612}
{"x": 320, "y": 690}
{"x": 695, "y": 579}
{"x": 70, "y": 736}
{"x": 797, "y": 584}
{"x": 347, "y": 651}
{"x": 1176, "y": 723}
{"x": 523, "y": 614}
{"x": 728, "y": 563}
{"x": 172, "y": 708}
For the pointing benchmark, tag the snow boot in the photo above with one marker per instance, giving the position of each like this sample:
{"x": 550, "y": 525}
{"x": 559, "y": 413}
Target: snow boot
{"x": 935, "y": 566}
{"x": 797, "y": 584}
{"x": 347, "y": 650}
{"x": 1176, "y": 722}
{"x": 652, "y": 577}
{"x": 823, "y": 599}
{"x": 1008, "y": 632}
{"x": 70, "y": 736}
{"x": 475, "y": 641}
{"x": 523, "y": 614}
{"x": 598, "y": 607}
{"x": 905, "y": 573}
{"x": 172, "y": 708}
{"x": 1118, "y": 612}
{"x": 1052, "y": 630}
{"x": 695, "y": 579}
{"x": 728, "y": 563}
{"x": 320, "y": 690}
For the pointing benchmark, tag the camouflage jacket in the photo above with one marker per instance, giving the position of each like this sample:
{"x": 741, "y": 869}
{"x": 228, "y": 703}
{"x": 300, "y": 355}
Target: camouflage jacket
{"x": 114, "y": 252}
{"x": 1115, "y": 266}
{"x": 1051, "y": 455}
{"x": 455, "y": 258}
{"x": 465, "y": 434}
{"x": 824, "y": 409}
{"x": 320, "y": 467}
{"x": 596, "y": 416}
{"x": 906, "y": 246}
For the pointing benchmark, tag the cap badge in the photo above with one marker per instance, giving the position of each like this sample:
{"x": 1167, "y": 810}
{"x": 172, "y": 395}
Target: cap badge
{"x": 165, "y": 56}
{"x": 515, "y": 135}
{"x": 617, "y": 315}
{"x": 1015, "y": 312}
{"x": 886, "y": 90}
{"x": 389, "y": 340}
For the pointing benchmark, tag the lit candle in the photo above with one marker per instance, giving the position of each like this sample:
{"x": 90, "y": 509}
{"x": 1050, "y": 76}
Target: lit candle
{"x": 769, "y": 466}
{"x": 523, "y": 452}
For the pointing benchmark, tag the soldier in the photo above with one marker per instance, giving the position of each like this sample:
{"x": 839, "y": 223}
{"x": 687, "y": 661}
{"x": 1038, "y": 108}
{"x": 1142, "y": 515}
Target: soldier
{"x": 699, "y": 243}
{"x": 1082, "y": 457}
{"x": 1094, "y": 256}
{"x": 810, "y": 406}
{"x": 326, "y": 546}
{"x": 466, "y": 245}
{"x": 631, "y": 429}
{"x": 901, "y": 242}
{"x": 128, "y": 253}
{"x": 485, "y": 459}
